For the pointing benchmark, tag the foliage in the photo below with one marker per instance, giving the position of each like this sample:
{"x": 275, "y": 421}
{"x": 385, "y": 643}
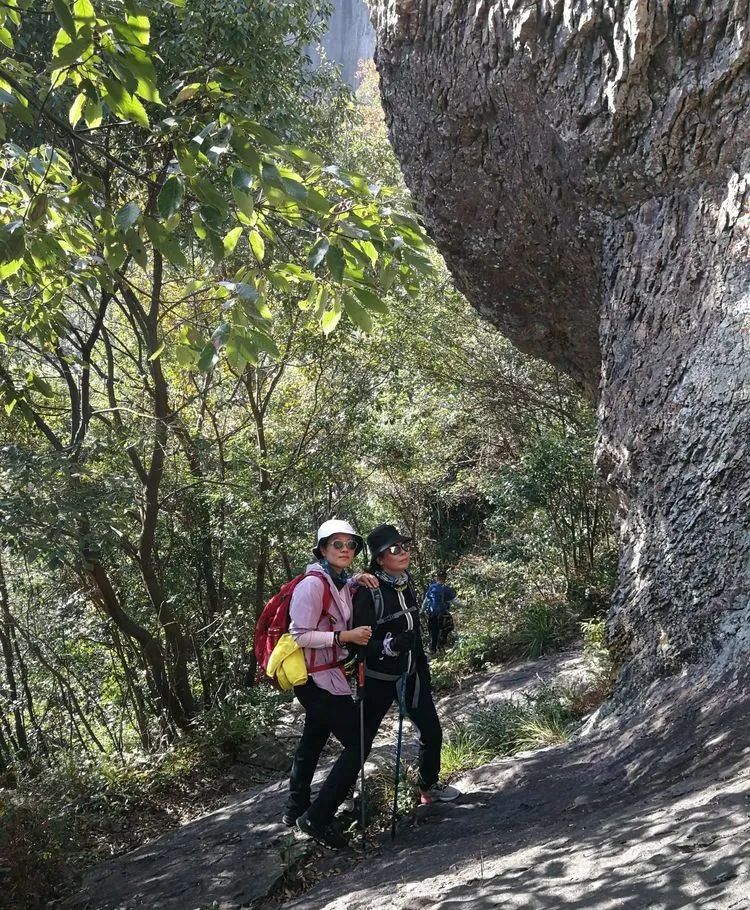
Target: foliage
{"x": 541, "y": 718}
{"x": 463, "y": 749}
{"x": 598, "y": 659}
{"x": 543, "y": 628}
{"x": 176, "y": 424}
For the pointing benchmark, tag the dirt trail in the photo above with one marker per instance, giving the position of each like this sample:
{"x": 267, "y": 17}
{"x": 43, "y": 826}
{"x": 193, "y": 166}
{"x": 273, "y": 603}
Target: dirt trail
{"x": 640, "y": 812}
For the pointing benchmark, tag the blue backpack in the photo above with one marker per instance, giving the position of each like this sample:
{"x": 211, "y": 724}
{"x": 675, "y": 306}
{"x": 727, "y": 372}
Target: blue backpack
{"x": 437, "y": 598}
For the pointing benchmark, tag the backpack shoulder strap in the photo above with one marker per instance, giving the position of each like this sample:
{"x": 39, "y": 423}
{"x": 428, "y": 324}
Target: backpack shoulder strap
{"x": 377, "y": 600}
{"x": 327, "y": 600}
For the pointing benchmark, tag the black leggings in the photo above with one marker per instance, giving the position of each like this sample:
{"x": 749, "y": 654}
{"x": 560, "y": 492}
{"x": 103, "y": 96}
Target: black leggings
{"x": 380, "y": 695}
{"x": 325, "y": 714}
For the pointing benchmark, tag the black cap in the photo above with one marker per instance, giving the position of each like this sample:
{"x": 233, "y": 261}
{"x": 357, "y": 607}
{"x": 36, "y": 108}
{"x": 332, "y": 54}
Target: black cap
{"x": 382, "y": 537}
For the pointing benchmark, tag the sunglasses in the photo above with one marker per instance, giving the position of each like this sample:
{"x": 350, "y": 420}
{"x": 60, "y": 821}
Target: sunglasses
{"x": 344, "y": 544}
{"x": 397, "y": 548}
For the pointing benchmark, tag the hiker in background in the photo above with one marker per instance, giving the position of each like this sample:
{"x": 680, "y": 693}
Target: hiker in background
{"x": 438, "y": 599}
{"x": 395, "y": 655}
{"x": 320, "y": 614}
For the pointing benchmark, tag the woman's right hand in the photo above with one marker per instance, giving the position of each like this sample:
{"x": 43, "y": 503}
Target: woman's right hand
{"x": 359, "y": 636}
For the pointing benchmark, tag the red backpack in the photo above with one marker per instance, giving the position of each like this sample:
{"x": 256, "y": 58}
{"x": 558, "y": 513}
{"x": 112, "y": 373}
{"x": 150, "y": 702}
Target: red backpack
{"x": 273, "y": 622}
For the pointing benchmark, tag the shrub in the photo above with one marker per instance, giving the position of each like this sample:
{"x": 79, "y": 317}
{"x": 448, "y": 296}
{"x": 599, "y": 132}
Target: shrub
{"x": 539, "y": 719}
{"x": 544, "y": 627}
{"x": 598, "y": 662}
{"x": 232, "y": 723}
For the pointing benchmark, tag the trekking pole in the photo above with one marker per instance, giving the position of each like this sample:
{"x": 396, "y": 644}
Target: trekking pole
{"x": 361, "y": 697}
{"x": 401, "y": 712}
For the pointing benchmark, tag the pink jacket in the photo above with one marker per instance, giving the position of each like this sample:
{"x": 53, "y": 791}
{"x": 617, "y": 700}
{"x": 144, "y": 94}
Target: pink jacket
{"x": 314, "y": 632}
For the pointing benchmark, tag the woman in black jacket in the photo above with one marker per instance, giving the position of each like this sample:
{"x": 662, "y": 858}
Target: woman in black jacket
{"x": 395, "y": 655}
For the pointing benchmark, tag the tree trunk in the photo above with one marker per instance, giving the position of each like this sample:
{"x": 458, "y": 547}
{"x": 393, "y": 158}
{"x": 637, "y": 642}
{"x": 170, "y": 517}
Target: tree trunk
{"x": 6, "y": 647}
{"x": 584, "y": 170}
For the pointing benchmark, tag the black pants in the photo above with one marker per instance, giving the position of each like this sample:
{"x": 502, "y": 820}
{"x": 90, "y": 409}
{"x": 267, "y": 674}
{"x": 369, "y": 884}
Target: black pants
{"x": 433, "y": 623}
{"x": 380, "y": 695}
{"x": 325, "y": 714}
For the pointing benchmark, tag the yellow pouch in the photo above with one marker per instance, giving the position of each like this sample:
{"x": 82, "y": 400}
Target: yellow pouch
{"x": 287, "y": 663}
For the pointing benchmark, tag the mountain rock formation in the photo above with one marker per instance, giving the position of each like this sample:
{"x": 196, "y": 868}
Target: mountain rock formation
{"x": 583, "y": 165}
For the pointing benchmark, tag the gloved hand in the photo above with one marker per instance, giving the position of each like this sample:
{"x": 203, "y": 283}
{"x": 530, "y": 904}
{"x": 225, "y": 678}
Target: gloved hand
{"x": 404, "y": 641}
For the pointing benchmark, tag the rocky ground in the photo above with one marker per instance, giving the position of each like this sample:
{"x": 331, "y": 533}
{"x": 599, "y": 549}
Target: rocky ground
{"x": 639, "y": 811}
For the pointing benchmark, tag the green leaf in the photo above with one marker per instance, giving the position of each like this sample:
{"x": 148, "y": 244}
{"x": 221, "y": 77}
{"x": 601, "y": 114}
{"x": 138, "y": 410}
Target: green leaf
{"x": 308, "y": 301}
{"x": 318, "y": 253}
{"x": 42, "y": 386}
{"x": 139, "y": 66}
{"x": 187, "y": 92}
{"x": 186, "y": 356}
{"x": 5, "y": 37}
{"x": 139, "y": 25}
{"x": 84, "y": 15}
{"x": 64, "y": 16}
{"x": 305, "y": 155}
{"x": 186, "y": 160}
{"x": 12, "y": 248}
{"x": 208, "y": 358}
{"x": 230, "y": 241}
{"x": 241, "y": 185}
{"x": 335, "y": 262}
{"x": 115, "y": 253}
{"x": 370, "y": 300}
{"x": 246, "y": 291}
{"x": 76, "y": 109}
{"x": 241, "y": 179}
{"x": 66, "y": 52}
{"x": 358, "y": 315}
{"x": 158, "y": 352}
{"x": 167, "y": 244}
{"x": 171, "y": 196}
{"x": 244, "y": 202}
{"x": 257, "y": 245}
{"x": 124, "y": 105}
{"x": 93, "y": 113}
{"x": 388, "y": 276}
{"x": 262, "y": 134}
{"x": 267, "y": 344}
{"x": 318, "y": 203}
{"x": 208, "y": 193}
{"x": 331, "y": 318}
{"x": 137, "y": 248}
{"x": 127, "y": 216}
{"x": 199, "y": 227}
{"x": 220, "y": 335}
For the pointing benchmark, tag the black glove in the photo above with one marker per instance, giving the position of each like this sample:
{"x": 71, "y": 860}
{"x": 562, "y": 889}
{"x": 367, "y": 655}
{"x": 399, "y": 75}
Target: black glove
{"x": 404, "y": 641}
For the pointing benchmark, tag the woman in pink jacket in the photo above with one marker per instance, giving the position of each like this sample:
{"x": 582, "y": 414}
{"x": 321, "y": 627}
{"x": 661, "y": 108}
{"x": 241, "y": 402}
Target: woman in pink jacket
{"x": 320, "y": 622}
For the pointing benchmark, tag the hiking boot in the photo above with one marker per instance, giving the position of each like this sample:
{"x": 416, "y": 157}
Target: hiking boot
{"x": 438, "y": 793}
{"x": 327, "y": 835}
{"x": 289, "y": 818}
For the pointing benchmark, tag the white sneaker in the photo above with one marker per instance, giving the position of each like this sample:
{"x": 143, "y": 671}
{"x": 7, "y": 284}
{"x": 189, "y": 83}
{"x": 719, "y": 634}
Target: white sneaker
{"x": 439, "y": 793}
{"x": 348, "y": 803}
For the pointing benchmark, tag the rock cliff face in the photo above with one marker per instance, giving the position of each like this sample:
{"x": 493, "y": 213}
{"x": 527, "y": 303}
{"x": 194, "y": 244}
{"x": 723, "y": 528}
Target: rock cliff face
{"x": 349, "y": 38}
{"x": 584, "y": 168}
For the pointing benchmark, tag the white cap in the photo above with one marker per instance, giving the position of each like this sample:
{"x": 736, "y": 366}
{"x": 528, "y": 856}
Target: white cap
{"x": 335, "y": 526}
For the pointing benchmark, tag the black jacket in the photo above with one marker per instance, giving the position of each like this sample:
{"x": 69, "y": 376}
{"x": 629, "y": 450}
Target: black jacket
{"x": 365, "y": 615}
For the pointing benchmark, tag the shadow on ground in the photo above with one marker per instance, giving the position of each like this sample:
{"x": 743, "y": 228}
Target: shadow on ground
{"x": 647, "y": 810}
